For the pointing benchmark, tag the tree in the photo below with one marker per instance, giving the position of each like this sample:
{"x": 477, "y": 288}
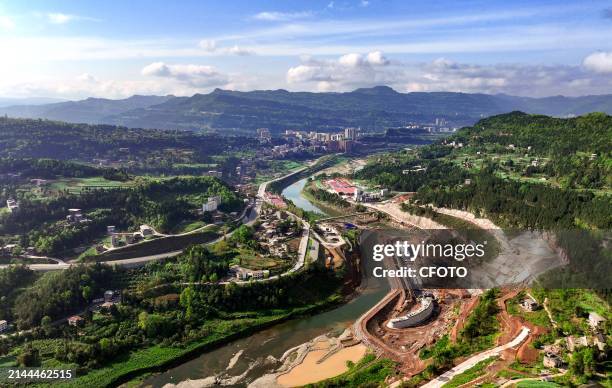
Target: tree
{"x": 45, "y": 323}
{"x": 29, "y": 356}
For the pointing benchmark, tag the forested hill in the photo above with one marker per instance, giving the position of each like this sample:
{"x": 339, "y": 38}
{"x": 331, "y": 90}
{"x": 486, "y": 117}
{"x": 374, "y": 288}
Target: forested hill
{"x": 24, "y": 138}
{"x": 90, "y": 110}
{"x": 547, "y": 136}
{"x": 374, "y": 108}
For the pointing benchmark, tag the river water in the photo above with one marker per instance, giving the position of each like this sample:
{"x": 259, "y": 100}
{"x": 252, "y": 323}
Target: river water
{"x": 254, "y": 351}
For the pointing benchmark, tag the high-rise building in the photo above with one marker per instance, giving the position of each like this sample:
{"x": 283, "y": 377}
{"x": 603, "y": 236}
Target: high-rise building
{"x": 350, "y": 133}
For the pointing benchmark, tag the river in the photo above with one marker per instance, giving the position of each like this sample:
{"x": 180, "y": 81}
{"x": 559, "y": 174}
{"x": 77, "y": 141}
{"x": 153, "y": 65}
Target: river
{"x": 236, "y": 357}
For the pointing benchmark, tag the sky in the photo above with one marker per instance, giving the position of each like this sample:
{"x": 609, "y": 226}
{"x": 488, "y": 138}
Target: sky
{"x": 114, "y": 49}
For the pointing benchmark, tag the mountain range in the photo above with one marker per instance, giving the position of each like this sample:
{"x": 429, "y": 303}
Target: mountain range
{"x": 369, "y": 108}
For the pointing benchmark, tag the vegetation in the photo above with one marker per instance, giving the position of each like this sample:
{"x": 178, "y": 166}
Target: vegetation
{"x": 478, "y": 333}
{"x": 470, "y": 374}
{"x": 138, "y": 150}
{"x": 167, "y": 310}
{"x": 159, "y": 203}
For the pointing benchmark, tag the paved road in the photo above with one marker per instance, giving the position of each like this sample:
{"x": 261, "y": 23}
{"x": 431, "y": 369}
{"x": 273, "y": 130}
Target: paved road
{"x": 472, "y": 361}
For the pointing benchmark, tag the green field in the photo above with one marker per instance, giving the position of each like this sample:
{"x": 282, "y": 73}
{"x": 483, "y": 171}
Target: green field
{"x": 76, "y": 185}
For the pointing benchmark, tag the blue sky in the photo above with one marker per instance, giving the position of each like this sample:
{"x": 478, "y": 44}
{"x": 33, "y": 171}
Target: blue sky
{"x": 76, "y": 49}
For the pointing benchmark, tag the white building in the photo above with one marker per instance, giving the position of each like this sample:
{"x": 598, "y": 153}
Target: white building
{"x": 595, "y": 320}
{"x": 12, "y": 204}
{"x": 3, "y": 325}
{"x": 350, "y": 133}
{"x": 146, "y": 230}
{"x": 212, "y": 204}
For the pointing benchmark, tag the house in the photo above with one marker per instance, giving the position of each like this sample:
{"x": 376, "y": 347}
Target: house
{"x": 11, "y": 204}
{"x": 75, "y": 320}
{"x": 3, "y": 325}
{"x": 574, "y": 344}
{"x": 109, "y": 295}
{"x": 595, "y": 320}
{"x": 115, "y": 241}
{"x": 551, "y": 360}
{"x": 110, "y": 229}
{"x": 146, "y": 230}
{"x": 212, "y": 204}
{"x": 529, "y": 304}
{"x": 600, "y": 342}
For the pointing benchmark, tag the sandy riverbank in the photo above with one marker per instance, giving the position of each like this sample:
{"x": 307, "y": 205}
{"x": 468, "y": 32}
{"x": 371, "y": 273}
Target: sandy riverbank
{"x": 312, "y": 369}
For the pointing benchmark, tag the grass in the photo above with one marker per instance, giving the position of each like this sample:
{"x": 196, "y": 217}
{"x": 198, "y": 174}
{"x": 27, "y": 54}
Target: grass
{"x": 563, "y": 304}
{"x": 538, "y": 317}
{"x": 253, "y": 260}
{"x": 473, "y": 373}
{"x": 188, "y": 226}
{"x": 509, "y": 374}
{"x": 536, "y": 384}
{"x": 78, "y": 184}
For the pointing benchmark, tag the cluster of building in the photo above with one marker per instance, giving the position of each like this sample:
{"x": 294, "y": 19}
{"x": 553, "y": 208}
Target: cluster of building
{"x": 370, "y": 196}
{"x": 276, "y": 200}
{"x": 109, "y": 299}
{"x": 75, "y": 216}
{"x": 241, "y": 273}
{"x": 300, "y": 141}
{"x": 346, "y": 189}
{"x": 121, "y": 239}
{"x": 552, "y": 353}
{"x": 272, "y": 238}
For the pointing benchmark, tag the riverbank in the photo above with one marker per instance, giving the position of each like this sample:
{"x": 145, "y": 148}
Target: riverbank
{"x": 319, "y": 359}
{"x": 158, "y": 358}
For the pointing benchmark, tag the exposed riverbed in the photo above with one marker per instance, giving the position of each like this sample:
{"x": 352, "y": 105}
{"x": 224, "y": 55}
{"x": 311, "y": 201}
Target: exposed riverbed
{"x": 242, "y": 361}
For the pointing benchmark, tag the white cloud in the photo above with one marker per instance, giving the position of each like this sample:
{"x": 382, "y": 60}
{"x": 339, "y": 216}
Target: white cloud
{"x": 354, "y": 70}
{"x": 273, "y": 16}
{"x": 208, "y": 45}
{"x": 600, "y": 62}
{"x": 199, "y": 76}
{"x": 347, "y": 72}
{"x": 235, "y": 50}
{"x": 86, "y": 77}
{"x": 6, "y": 23}
{"x": 364, "y": 3}
{"x": 60, "y": 18}
{"x": 377, "y": 58}
{"x": 63, "y": 18}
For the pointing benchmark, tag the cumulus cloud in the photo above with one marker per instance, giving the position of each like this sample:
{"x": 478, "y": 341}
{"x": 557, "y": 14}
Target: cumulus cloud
{"x": 199, "y": 76}
{"x": 6, "y": 23}
{"x": 236, "y": 50}
{"x": 600, "y": 62}
{"x": 349, "y": 70}
{"x": 353, "y": 70}
{"x": 273, "y": 16}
